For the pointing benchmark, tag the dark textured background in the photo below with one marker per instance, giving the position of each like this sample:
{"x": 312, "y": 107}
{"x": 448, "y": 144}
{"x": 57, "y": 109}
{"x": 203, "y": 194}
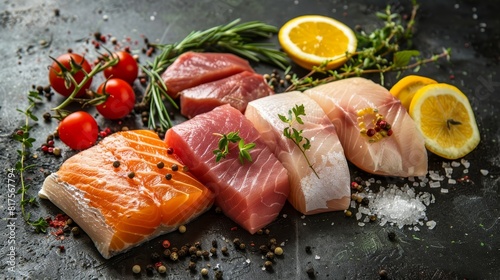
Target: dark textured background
{"x": 464, "y": 244}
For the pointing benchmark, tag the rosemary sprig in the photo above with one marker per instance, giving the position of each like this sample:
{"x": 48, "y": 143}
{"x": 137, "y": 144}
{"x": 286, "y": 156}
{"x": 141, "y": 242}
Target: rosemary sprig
{"x": 294, "y": 115}
{"x": 233, "y": 137}
{"x": 22, "y": 135}
{"x": 235, "y": 37}
{"x": 378, "y": 53}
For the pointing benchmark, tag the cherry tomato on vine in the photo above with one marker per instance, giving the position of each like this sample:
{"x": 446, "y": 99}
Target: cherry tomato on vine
{"x": 74, "y": 64}
{"x": 126, "y": 68}
{"x": 120, "y": 99}
{"x": 78, "y": 130}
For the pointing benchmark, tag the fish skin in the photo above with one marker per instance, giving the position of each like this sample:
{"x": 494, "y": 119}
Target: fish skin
{"x": 191, "y": 69}
{"x": 308, "y": 193}
{"x": 236, "y": 90}
{"x": 251, "y": 194}
{"x": 119, "y": 213}
{"x": 401, "y": 155}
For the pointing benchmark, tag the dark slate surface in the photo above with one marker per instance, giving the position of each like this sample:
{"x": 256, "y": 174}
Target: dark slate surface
{"x": 464, "y": 244}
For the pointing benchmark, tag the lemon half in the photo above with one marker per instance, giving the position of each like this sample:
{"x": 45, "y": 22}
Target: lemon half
{"x": 311, "y": 40}
{"x": 444, "y": 116}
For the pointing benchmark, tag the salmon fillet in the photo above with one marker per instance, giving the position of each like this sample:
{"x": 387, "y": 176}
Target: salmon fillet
{"x": 119, "y": 212}
{"x": 251, "y": 194}
{"x": 191, "y": 69}
{"x": 402, "y": 154}
{"x": 309, "y": 194}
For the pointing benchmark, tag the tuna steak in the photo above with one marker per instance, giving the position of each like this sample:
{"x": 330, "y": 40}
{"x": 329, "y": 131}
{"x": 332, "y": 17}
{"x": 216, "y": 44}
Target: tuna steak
{"x": 236, "y": 90}
{"x": 253, "y": 193}
{"x": 191, "y": 69}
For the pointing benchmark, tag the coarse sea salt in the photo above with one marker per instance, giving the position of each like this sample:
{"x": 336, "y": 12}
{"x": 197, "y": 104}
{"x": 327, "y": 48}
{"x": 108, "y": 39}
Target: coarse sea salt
{"x": 484, "y": 172}
{"x": 398, "y": 206}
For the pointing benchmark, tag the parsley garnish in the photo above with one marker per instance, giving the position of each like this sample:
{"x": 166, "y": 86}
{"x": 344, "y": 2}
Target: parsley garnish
{"x": 233, "y": 137}
{"x": 294, "y": 115}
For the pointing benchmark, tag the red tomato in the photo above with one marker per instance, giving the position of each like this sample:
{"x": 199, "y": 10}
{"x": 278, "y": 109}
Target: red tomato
{"x": 56, "y": 77}
{"x": 120, "y": 100}
{"x": 78, "y": 130}
{"x": 126, "y": 68}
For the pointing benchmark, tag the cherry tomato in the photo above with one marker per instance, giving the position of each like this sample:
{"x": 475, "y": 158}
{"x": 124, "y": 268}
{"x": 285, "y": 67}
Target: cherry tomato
{"x": 126, "y": 68}
{"x": 56, "y": 76}
{"x": 120, "y": 100}
{"x": 78, "y": 130}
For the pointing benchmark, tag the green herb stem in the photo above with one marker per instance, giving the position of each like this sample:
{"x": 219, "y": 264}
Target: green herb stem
{"x": 295, "y": 116}
{"x": 26, "y": 141}
{"x": 78, "y": 86}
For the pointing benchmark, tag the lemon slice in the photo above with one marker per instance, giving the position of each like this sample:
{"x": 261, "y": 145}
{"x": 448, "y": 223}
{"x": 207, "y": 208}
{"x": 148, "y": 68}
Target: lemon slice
{"x": 311, "y": 40}
{"x": 444, "y": 116}
{"x": 405, "y": 89}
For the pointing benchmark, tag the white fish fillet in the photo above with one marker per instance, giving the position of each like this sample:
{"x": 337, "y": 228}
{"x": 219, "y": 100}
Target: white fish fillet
{"x": 402, "y": 154}
{"x": 309, "y": 194}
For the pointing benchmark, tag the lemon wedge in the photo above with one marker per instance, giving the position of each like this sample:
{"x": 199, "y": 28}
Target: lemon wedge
{"x": 445, "y": 118}
{"x": 311, "y": 40}
{"x": 405, "y": 89}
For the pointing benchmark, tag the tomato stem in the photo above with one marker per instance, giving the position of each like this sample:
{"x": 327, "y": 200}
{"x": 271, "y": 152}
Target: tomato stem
{"x": 99, "y": 68}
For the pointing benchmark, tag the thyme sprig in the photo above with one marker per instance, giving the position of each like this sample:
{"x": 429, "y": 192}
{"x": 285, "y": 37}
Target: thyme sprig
{"x": 233, "y": 137}
{"x": 294, "y": 115}
{"x": 22, "y": 135}
{"x": 235, "y": 37}
{"x": 378, "y": 52}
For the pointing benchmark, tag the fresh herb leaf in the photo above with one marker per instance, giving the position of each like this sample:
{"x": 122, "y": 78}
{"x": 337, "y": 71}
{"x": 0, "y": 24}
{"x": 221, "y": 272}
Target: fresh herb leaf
{"x": 294, "y": 115}
{"x": 402, "y": 58}
{"x": 233, "y": 137}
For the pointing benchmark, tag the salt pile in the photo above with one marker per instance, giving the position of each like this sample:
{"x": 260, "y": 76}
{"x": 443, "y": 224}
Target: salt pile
{"x": 397, "y": 206}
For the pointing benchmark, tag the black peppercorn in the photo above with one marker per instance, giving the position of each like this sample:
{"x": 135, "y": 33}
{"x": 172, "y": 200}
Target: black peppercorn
{"x": 213, "y": 251}
{"x": 160, "y": 165}
{"x": 175, "y": 167}
{"x": 365, "y": 201}
{"x": 382, "y": 273}
{"x": 116, "y": 164}
{"x": 308, "y": 249}
{"x": 268, "y": 265}
{"x": 310, "y": 272}
{"x": 391, "y": 235}
{"x": 192, "y": 266}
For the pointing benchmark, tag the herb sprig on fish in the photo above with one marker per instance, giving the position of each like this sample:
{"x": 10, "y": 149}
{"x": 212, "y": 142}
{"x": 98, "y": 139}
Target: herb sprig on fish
{"x": 235, "y": 37}
{"x": 233, "y": 137}
{"x": 294, "y": 115}
{"x": 385, "y": 49}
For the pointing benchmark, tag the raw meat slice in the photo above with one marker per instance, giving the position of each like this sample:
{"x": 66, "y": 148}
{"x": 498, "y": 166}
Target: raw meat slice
{"x": 401, "y": 154}
{"x": 253, "y": 193}
{"x": 119, "y": 212}
{"x": 236, "y": 90}
{"x": 309, "y": 194}
{"x": 191, "y": 69}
